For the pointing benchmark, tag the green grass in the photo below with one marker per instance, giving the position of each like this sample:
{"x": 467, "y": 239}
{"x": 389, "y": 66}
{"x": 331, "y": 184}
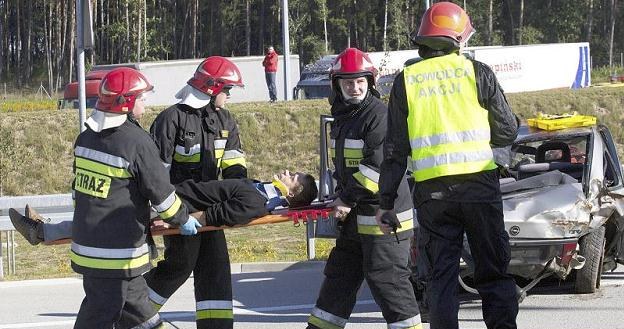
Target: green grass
{"x": 36, "y": 156}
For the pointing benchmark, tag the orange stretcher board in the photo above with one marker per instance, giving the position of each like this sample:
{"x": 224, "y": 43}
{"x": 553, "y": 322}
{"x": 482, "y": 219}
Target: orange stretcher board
{"x": 312, "y": 213}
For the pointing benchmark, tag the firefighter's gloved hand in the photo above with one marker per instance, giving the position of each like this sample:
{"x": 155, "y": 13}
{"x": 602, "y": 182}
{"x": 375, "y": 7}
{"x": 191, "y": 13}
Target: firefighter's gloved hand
{"x": 387, "y": 221}
{"x": 190, "y": 227}
{"x": 340, "y": 210}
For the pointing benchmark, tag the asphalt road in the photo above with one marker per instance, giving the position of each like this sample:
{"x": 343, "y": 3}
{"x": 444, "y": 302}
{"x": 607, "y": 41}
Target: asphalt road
{"x": 283, "y": 299}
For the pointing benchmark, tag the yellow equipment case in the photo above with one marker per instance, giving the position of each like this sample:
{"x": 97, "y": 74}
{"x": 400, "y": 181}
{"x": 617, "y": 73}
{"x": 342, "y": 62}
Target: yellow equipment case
{"x": 561, "y": 121}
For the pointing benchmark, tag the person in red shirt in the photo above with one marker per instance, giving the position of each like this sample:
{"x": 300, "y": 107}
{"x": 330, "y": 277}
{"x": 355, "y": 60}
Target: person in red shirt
{"x": 270, "y": 70}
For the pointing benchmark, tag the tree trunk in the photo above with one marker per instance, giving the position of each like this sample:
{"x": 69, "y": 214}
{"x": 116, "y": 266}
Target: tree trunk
{"x": 511, "y": 22}
{"x": 490, "y": 30}
{"x": 325, "y": 24}
{"x": 139, "y": 30}
{"x": 612, "y": 31}
{"x": 194, "y": 29}
{"x": 72, "y": 34}
{"x": 590, "y": 20}
{"x": 47, "y": 40}
{"x": 2, "y": 32}
{"x": 385, "y": 27}
{"x": 521, "y": 22}
{"x": 125, "y": 52}
{"x": 18, "y": 44}
{"x": 248, "y": 26}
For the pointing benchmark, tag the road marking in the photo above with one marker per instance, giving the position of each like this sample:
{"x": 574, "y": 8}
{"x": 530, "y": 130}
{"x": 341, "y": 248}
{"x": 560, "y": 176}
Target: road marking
{"x": 260, "y": 311}
{"x": 37, "y": 324}
{"x": 256, "y": 279}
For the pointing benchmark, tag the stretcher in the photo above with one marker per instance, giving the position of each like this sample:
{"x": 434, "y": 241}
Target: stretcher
{"x": 315, "y": 211}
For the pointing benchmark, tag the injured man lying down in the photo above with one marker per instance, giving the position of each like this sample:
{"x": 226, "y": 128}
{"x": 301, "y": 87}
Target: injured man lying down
{"x": 215, "y": 203}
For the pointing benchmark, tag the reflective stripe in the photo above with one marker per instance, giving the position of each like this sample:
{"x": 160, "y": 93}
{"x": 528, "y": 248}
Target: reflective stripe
{"x": 368, "y": 224}
{"x": 151, "y": 323}
{"x": 352, "y": 148}
{"x": 108, "y": 259}
{"x": 164, "y": 215}
{"x": 167, "y": 165}
{"x": 451, "y": 138}
{"x": 220, "y": 143}
{"x": 411, "y": 323}
{"x": 193, "y": 150}
{"x": 194, "y": 154}
{"x": 350, "y": 153}
{"x": 169, "y": 200}
{"x": 214, "y": 305}
{"x": 155, "y": 297}
{"x": 169, "y": 207}
{"x": 109, "y": 264}
{"x": 368, "y": 177}
{"x": 231, "y": 154}
{"x": 214, "y": 309}
{"x": 101, "y": 168}
{"x": 109, "y": 253}
{"x": 233, "y": 157}
{"x": 369, "y": 172}
{"x": 326, "y": 320}
{"x": 450, "y": 158}
{"x": 101, "y": 157}
{"x": 354, "y": 143}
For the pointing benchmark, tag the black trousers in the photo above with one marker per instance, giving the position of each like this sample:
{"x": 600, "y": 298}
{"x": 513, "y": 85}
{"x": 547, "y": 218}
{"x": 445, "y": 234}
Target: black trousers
{"x": 379, "y": 260}
{"x": 206, "y": 255}
{"x": 442, "y": 227}
{"x": 107, "y": 300}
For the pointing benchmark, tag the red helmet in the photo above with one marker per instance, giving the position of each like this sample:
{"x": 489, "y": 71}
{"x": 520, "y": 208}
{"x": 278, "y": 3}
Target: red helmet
{"x": 353, "y": 63}
{"x": 444, "y": 25}
{"x": 119, "y": 90}
{"x": 214, "y": 74}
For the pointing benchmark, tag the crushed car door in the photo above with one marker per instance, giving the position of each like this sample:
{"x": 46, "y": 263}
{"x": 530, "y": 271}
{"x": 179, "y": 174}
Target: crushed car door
{"x": 614, "y": 184}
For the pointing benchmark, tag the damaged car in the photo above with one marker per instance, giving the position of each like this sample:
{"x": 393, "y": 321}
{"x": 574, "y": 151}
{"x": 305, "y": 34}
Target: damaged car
{"x": 563, "y": 200}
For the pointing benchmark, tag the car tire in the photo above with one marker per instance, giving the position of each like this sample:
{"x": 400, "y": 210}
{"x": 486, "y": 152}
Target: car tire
{"x": 591, "y": 246}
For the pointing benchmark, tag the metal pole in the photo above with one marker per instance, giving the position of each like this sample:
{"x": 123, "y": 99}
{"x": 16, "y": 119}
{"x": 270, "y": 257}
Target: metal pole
{"x": 12, "y": 254}
{"x": 286, "y": 50}
{"x": 82, "y": 101}
{"x": 1, "y": 259}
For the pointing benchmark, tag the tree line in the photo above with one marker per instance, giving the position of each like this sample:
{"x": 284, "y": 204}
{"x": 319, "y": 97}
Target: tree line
{"x": 37, "y": 37}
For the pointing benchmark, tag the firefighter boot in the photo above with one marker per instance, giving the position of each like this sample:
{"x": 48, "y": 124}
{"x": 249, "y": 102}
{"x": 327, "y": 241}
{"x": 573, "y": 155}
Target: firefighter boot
{"x": 29, "y": 228}
{"x": 33, "y": 214}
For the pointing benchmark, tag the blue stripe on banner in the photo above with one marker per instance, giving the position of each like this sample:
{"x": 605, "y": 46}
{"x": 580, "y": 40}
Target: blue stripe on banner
{"x": 581, "y": 71}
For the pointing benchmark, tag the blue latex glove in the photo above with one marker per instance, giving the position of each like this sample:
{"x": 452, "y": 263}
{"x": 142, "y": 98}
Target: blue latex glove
{"x": 190, "y": 227}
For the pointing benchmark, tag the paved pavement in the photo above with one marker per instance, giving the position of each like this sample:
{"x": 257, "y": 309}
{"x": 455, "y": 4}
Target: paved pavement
{"x": 281, "y": 296}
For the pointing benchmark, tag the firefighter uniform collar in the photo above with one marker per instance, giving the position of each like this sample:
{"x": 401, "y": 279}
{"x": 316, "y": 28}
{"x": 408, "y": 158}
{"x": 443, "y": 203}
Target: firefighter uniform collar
{"x": 99, "y": 120}
{"x": 192, "y": 97}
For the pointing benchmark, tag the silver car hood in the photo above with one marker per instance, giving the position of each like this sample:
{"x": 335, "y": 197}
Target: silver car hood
{"x": 556, "y": 211}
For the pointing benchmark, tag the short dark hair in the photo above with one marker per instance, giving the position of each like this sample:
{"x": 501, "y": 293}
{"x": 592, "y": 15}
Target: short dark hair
{"x": 305, "y": 194}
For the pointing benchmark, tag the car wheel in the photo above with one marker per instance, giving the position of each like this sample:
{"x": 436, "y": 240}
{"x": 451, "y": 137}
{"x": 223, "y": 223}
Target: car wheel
{"x": 591, "y": 246}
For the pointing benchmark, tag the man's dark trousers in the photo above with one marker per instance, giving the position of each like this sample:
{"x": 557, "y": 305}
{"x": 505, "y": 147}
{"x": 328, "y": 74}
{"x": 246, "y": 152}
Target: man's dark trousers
{"x": 270, "y": 81}
{"x": 442, "y": 225}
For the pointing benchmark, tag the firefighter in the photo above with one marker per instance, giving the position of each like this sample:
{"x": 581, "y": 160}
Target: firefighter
{"x": 215, "y": 203}
{"x": 446, "y": 112}
{"x": 198, "y": 139}
{"x": 362, "y": 251}
{"x": 117, "y": 174}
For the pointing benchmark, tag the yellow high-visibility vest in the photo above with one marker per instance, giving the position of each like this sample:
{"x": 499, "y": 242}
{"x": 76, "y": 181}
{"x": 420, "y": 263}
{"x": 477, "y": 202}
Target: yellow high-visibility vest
{"x": 448, "y": 129}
